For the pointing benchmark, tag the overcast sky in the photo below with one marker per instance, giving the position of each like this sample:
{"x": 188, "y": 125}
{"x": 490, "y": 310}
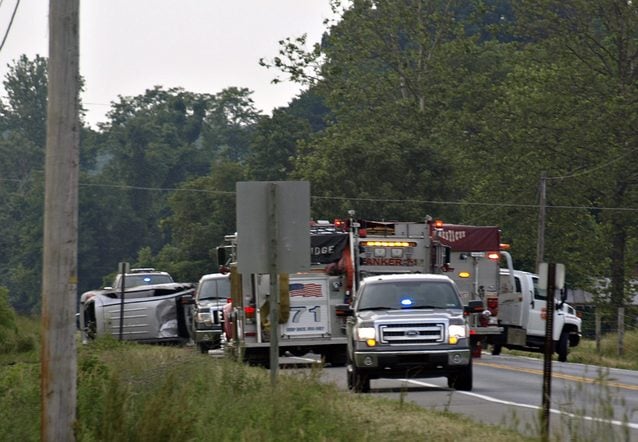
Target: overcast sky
{"x": 128, "y": 46}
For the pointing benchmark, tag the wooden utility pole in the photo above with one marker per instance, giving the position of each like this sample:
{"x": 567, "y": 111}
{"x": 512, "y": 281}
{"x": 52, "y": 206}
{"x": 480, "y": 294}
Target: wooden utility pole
{"x": 59, "y": 272}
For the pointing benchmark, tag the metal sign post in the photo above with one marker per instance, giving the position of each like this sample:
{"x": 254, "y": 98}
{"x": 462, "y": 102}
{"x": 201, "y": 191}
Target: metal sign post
{"x": 273, "y": 237}
{"x": 123, "y": 269}
{"x": 551, "y": 277}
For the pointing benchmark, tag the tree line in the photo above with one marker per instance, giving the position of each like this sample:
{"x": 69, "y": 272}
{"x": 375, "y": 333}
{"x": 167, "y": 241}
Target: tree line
{"x": 448, "y": 108}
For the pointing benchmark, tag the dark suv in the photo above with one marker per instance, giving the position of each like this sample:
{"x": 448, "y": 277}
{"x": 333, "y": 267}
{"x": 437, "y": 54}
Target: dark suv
{"x": 408, "y": 326}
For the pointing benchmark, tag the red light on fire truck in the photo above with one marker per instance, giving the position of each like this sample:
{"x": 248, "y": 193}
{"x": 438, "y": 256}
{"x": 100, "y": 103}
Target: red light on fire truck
{"x": 494, "y": 256}
{"x": 249, "y": 311}
{"x": 438, "y": 224}
{"x": 504, "y": 246}
{"x": 340, "y": 224}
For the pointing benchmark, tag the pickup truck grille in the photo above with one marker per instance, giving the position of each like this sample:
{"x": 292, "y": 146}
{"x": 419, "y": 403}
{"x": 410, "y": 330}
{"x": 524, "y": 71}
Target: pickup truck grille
{"x": 418, "y": 333}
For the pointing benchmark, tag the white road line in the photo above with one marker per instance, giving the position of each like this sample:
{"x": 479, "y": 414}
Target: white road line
{"x": 631, "y": 425}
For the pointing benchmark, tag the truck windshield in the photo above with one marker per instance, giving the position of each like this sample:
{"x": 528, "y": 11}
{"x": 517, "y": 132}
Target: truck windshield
{"x": 408, "y": 295}
{"x": 214, "y": 289}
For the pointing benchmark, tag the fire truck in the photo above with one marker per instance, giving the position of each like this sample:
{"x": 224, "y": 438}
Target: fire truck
{"x": 312, "y": 304}
{"x": 503, "y": 306}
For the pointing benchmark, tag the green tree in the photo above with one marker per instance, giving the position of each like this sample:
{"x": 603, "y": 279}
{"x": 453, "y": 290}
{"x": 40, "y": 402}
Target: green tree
{"x": 22, "y": 147}
{"x": 387, "y": 71}
{"x": 568, "y": 109}
{"x": 202, "y": 212}
{"x": 229, "y": 124}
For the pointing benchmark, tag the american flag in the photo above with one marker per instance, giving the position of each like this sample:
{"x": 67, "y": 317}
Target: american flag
{"x": 306, "y": 290}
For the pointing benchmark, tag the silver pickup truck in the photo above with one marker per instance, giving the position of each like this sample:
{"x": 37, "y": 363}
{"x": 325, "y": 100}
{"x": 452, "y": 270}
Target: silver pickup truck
{"x": 408, "y": 326}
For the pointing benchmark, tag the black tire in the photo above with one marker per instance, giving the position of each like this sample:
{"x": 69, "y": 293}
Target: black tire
{"x": 335, "y": 358}
{"x": 358, "y": 382}
{"x": 463, "y": 380}
{"x": 562, "y": 349}
{"x": 496, "y": 349}
{"x": 203, "y": 348}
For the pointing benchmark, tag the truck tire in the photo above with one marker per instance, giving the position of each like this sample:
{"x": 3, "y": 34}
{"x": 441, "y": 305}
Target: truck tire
{"x": 336, "y": 358}
{"x": 203, "y": 348}
{"x": 562, "y": 349}
{"x": 360, "y": 381}
{"x": 462, "y": 380}
{"x": 496, "y": 349}
{"x": 357, "y": 382}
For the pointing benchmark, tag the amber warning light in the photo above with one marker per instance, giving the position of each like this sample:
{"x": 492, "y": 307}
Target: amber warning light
{"x": 388, "y": 244}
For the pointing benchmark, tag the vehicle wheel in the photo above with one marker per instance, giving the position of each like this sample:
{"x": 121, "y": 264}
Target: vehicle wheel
{"x": 360, "y": 381}
{"x": 563, "y": 346}
{"x": 462, "y": 380}
{"x": 357, "y": 381}
{"x": 335, "y": 358}
{"x": 203, "y": 348}
{"x": 496, "y": 349}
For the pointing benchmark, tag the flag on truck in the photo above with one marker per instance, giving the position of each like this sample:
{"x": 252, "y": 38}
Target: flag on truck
{"x": 308, "y": 290}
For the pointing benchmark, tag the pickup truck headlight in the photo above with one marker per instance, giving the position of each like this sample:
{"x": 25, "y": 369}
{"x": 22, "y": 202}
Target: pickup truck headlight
{"x": 204, "y": 317}
{"x": 366, "y": 334}
{"x": 456, "y": 332}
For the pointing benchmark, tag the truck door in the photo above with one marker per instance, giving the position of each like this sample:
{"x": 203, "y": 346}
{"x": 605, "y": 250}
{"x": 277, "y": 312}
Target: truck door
{"x": 538, "y": 304}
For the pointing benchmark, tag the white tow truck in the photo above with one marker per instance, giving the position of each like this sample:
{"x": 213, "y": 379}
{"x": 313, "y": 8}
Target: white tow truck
{"x": 522, "y": 312}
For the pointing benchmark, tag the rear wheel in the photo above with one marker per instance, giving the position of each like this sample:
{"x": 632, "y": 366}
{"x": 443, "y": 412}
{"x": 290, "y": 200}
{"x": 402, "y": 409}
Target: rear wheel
{"x": 496, "y": 349}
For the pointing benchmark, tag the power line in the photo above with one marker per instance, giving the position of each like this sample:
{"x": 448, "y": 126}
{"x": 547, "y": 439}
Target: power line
{"x": 10, "y": 24}
{"x": 356, "y": 199}
{"x": 593, "y": 169}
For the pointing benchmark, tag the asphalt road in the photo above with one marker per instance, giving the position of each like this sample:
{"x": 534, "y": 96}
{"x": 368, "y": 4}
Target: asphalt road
{"x": 588, "y": 403}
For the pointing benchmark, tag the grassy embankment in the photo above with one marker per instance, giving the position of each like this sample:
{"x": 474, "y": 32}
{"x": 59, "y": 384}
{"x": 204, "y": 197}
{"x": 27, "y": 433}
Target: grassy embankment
{"x": 130, "y": 392}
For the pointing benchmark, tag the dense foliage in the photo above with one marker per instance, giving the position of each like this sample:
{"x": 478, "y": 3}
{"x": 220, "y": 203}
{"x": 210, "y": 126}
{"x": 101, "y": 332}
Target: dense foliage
{"x": 451, "y": 108}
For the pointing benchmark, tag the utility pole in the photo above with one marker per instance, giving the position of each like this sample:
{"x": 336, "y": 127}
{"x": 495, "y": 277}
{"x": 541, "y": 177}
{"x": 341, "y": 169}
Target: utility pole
{"x": 58, "y": 391}
{"x": 540, "y": 244}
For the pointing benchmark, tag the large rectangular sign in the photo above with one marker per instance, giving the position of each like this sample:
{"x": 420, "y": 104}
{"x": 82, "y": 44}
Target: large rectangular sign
{"x": 264, "y": 207}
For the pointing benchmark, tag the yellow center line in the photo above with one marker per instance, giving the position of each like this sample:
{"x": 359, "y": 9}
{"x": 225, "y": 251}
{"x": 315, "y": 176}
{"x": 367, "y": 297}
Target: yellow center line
{"x": 566, "y": 377}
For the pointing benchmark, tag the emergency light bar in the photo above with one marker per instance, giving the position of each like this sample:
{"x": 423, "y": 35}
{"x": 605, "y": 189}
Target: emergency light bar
{"x": 388, "y": 244}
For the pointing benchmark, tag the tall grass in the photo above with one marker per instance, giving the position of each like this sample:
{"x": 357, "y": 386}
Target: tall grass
{"x": 586, "y": 352}
{"x": 129, "y": 392}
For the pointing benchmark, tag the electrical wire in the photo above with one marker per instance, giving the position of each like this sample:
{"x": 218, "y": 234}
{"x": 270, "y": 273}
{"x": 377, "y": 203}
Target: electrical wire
{"x": 354, "y": 199}
{"x": 10, "y": 24}
{"x": 593, "y": 169}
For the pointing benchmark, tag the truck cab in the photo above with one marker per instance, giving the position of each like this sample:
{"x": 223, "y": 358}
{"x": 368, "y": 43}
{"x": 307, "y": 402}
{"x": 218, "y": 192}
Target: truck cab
{"x": 211, "y": 295}
{"x": 522, "y": 313}
{"x": 408, "y": 326}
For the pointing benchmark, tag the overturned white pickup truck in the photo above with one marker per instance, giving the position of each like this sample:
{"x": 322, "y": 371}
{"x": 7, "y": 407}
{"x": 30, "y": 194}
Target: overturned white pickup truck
{"x": 159, "y": 313}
